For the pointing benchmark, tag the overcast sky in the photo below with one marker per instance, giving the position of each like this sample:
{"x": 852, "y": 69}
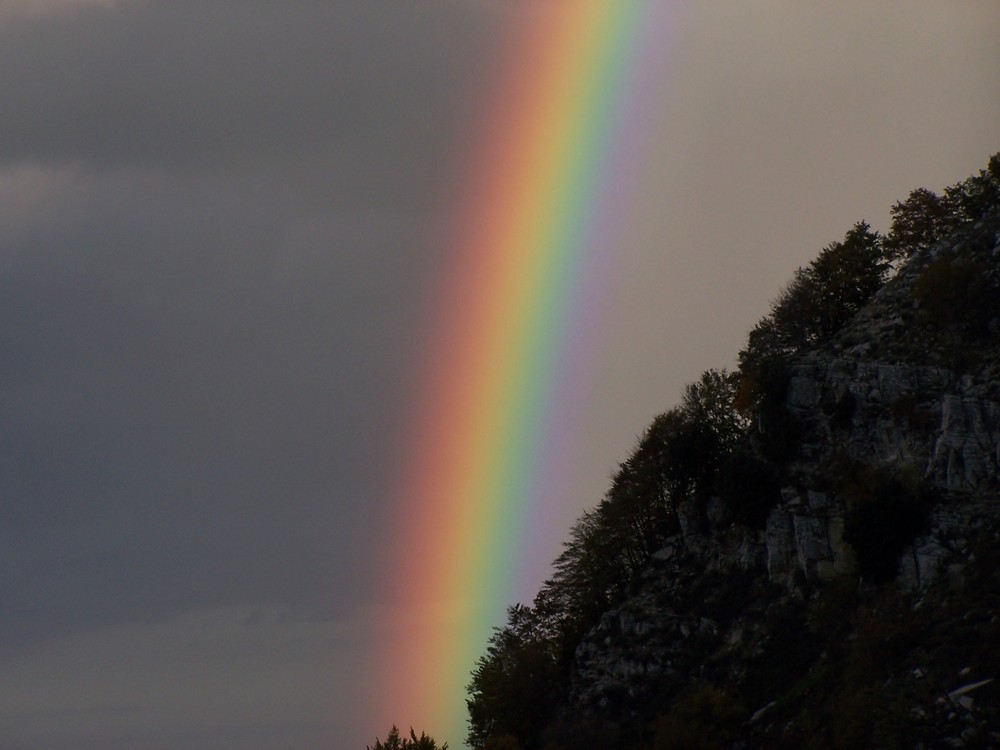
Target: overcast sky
{"x": 215, "y": 253}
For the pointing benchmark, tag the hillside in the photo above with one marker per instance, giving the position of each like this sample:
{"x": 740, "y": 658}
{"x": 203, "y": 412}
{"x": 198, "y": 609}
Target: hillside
{"x": 804, "y": 553}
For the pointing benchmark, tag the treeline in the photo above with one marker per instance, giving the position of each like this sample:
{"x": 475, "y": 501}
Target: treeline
{"x": 522, "y": 678}
{"x": 706, "y": 447}
{"x": 824, "y": 295}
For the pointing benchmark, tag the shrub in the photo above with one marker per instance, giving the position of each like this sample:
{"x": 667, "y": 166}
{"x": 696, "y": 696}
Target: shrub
{"x": 502, "y": 742}
{"x": 784, "y": 658}
{"x": 707, "y": 719}
{"x": 839, "y": 408}
{"x": 779, "y": 431}
{"x": 885, "y": 513}
{"x": 909, "y": 409}
{"x": 957, "y": 293}
{"x": 749, "y": 488}
{"x": 579, "y": 732}
{"x": 917, "y": 223}
{"x": 395, "y": 741}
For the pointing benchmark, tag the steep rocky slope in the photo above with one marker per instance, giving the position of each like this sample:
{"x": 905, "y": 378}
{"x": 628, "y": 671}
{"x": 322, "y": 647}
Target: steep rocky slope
{"x": 862, "y": 611}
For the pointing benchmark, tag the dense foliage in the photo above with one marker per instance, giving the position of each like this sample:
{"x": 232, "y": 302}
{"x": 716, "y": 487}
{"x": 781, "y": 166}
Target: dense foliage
{"x": 924, "y": 218}
{"x": 885, "y": 511}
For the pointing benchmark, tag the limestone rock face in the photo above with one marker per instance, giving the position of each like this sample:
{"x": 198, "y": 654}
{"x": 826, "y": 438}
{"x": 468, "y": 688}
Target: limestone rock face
{"x": 927, "y": 422}
{"x": 779, "y": 540}
{"x": 880, "y": 395}
{"x": 966, "y": 452}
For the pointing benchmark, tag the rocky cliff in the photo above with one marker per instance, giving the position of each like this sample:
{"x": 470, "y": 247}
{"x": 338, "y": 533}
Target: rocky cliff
{"x": 873, "y": 574}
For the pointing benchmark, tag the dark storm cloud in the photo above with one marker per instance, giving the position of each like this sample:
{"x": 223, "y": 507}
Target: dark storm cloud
{"x": 206, "y": 314}
{"x": 338, "y": 93}
{"x": 187, "y": 415}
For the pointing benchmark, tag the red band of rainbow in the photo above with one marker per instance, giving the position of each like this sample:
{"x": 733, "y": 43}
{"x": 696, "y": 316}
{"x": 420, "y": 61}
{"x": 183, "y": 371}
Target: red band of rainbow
{"x": 521, "y": 302}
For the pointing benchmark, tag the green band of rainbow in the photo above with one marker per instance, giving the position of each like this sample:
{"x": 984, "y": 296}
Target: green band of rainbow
{"x": 519, "y": 304}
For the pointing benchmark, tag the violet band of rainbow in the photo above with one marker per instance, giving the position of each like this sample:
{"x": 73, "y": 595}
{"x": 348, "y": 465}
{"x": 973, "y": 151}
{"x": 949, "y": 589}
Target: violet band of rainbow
{"x": 521, "y": 304}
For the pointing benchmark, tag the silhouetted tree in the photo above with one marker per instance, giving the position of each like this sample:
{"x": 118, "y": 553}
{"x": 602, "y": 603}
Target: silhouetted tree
{"x": 917, "y": 223}
{"x": 845, "y": 276}
{"x": 748, "y": 486}
{"x": 814, "y": 306}
{"x": 394, "y": 741}
{"x": 925, "y": 218}
{"x": 711, "y": 401}
{"x": 972, "y": 198}
{"x": 589, "y": 571}
{"x": 515, "y": 685}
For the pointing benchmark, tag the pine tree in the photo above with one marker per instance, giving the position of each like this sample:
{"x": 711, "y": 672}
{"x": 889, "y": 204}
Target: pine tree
{"x": 394, "y": 741}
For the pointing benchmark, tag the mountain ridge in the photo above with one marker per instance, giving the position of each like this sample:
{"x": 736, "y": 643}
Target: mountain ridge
{"x": 784, "y": 574}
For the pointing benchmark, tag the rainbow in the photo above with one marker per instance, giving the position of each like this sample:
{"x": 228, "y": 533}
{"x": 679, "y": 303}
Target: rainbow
{"x": 520, "y": 306}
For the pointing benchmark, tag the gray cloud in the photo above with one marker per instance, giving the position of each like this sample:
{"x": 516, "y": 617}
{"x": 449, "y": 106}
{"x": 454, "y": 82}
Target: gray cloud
{"x": 188, "y": 394}
{"x": 211, "y": 209}
{"x": 353, "y": 101}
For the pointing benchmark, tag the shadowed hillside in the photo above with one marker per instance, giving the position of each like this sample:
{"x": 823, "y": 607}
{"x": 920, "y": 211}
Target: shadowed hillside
{"x": 804, "y": 553}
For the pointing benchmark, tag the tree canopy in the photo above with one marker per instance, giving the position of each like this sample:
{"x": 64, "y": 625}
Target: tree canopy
{"x": 819, "y": 300}
{"x": 394, "y": 741}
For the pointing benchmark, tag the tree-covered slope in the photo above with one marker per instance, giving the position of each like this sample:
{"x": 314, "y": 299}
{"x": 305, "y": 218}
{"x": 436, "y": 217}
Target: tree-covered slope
{"x": 803, "y": 553}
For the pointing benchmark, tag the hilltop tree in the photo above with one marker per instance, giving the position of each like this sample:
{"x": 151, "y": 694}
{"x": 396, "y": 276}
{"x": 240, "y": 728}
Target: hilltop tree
{"x": 710, "y": 401}
{"x": 973, "y": 197}
{"x": 845, "y": 276}
{"x": 515, "y": 685}
{"x": 917, "y": 223}
{"x": 815, "y": 305}
{"x": 394, "y": 741}
{"x": 924, "y": 217}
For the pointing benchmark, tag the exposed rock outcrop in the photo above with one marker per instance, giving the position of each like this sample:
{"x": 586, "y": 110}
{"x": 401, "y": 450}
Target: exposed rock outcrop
{"x": 897, "y": 394}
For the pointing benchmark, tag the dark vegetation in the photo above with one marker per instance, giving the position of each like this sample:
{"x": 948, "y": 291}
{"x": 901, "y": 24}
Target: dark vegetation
{"x": 395, "y": 741}
{"x": 836, "y": 666}
{"x": 885, "y": 512}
